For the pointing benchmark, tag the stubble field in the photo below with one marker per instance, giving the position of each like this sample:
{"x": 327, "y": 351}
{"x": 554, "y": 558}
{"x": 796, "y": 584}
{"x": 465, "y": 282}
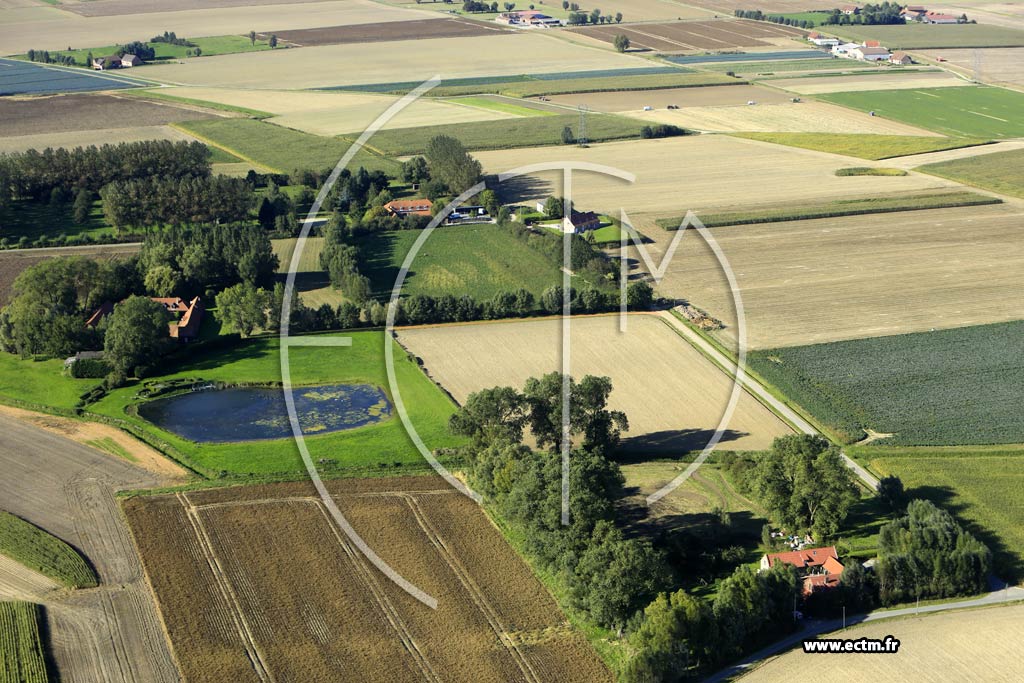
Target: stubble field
{"x": 386, "y": 62}
{"x": 85, "y": 138}
{"x": 288, "y": 595}
{"x": 636, "y": 100}
{"x": 886, "y": 80}
{"x": 999, "y": 66}
{"x": 955, "y": 646}
{"x": 672, "y": 395}
{"x": 807, "y": 282}
{"x": 387, "y": 31}
{"x": 696, "y": 35}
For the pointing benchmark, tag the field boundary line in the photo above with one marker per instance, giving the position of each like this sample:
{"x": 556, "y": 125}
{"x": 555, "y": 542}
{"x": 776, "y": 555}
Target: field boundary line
{"x": 227, "y": 591}
{"x": 202, "y": 138}
{"x": 380, "y": 598}
{"x": 477, "y": 595}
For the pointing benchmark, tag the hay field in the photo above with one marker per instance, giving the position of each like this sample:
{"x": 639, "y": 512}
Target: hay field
{"x": 62, "y": 29}
{"x": 289, "y": 598}
{"x": 787, "y": 117}
{"x": 674, "y": 397}
{"x": 334, "y": 65}
{"x": 891, "y": 80}
{"x": 84, "y": 138}
{"x": 703, "y": 172}
{"x": 952, "y": 646}
{"x": 998, "y": 65}
{"x": 636, "y": 100}
{"x": 807, "y": 282}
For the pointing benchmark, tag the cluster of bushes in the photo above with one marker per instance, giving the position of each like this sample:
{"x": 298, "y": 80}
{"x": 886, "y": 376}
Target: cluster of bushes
{"x": 472, "y": 6}
{"x": 92, "y": 368}
{"x": 170, "y": 38}
{"x": 578, "y": 18}
{"x": 662, "y": 130}
{"x": 46, "y": 57}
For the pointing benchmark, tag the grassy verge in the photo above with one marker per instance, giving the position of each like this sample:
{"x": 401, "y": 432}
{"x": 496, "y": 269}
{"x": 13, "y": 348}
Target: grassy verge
{"x": 506, "y": 133}
{"x": 839, "y": 207}
{"x": 999, "y": 172}
{"x": 872, "y": 147}
{"x": 503, "y": 106}
{"x": 46, "y": 554}
{"x": 867, "y": 170}
{"x": 22, "y": 654}
{"x": 281, "y": 149}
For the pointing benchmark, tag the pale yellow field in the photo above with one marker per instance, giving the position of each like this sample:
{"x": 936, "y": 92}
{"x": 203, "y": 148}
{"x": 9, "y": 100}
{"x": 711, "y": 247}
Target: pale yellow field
{"x": 807, "y": 282}
{"x": 58, "y": 29}
{"x": 700, "y": 172}
{"x": 84, "y": 138}
{"x": 330, "y": 113}
{"x": 978, "y": 645}
{"x": 632, "y": 10}
{"x": 387, "y": 62}
{"x": 787, "y": 117}
{"x": 884, "y": 81}
{"x": 636, "y": 100}
{"x": 666, "y": 388}
{"x": 996, "y": 64}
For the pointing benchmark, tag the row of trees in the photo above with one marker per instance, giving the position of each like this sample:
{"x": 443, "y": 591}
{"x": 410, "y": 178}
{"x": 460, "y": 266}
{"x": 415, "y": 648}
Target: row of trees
{"x": 758, "y": 15}
{"x": 884, "y": 13}
{"x": 34, "y": 174}
{"x": 577, "y": 18}
{"x": 156, "y": 202}
{"x": 46, "y": 57}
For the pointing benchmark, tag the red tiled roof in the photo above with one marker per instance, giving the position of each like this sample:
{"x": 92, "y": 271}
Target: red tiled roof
{"x": 173, "y": 304}
{"x": 809, "y": 557}
{"x": 418, "y": 206}
{"x": 872, "y": 43}
{"x": 105, "y": 309}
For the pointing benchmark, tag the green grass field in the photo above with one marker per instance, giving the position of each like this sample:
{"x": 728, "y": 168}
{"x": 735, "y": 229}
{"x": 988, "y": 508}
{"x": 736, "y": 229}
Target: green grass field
{"x": 838, "y": 207}
{"x": 46, "y": 554}
{"x": 503, "y": 106}
{"x": 258, "y": 361}
{"x": 22, "y": 654}
{"x": 866, "y": 170}
{"x": 961, "y": 386}
{"x": 982, "y": 488}
{"x": 816, "y": 18}
{"x": 872, "y": 147}
{"x": 969, "y": 111}
{"x": 312, "y": 283}
{"x": 476, "y": 260}
{"x": 784, "y": 66}
{"x": 1000, "y": 171}
{"x": 921, "y": 36}
{"x": 210, "y": 46}
{"x": 32, "y": 220}
{"x": 506, "y": 133}
{"x": 39, "y": 383}
{"x": 281, "y": 149}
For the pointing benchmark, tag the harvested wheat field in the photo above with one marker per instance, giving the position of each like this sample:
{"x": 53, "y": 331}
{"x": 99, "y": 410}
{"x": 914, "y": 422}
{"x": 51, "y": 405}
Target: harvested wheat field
{"x": 334, "y": 113}
{"x": 65, "y": 113}
{"x": 61, "y": 29}
{"x": 786, "y": 117}
{"x": 84, "y": 138}
{"x": 689, "y": 36}
{"x": 706, "y": 172}
{"x": 955, "y": 646}
{"x": 806, "y": 282}
{"x": 674, "y": 397}
{"x": 895, "y": 80}
{"x": 331, "y": 65}
{"x": 288, "y": 597}
{"x": 387, "y": 31}
{"x": 996, "y": 65}
{"x": 636, "y": 100}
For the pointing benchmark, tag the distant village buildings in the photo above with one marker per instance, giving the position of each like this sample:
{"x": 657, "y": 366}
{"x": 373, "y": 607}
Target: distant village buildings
{"x": 527, "y": 19}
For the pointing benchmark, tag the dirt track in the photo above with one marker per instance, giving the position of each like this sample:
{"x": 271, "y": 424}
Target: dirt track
{"x": 110, "y": 633}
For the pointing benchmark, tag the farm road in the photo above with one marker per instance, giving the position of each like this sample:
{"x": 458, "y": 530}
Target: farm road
{"x": 760, "y": 392}
{"x": 109, "y": 633}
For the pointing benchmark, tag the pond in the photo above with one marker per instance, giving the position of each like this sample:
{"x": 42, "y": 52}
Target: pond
{"x": 256, "y": 413}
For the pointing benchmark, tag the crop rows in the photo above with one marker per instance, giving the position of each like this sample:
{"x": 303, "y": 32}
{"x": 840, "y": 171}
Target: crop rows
{"x": 21, "y": 647}
{"x": 38, "y": 550}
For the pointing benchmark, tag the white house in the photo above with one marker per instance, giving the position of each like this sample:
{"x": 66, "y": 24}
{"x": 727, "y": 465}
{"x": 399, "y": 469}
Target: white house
{"x": 844, "y": 49}
{"x": 128, "y": 61}
{"x": 822, "y": 41}
{"x": 870, "y": 54}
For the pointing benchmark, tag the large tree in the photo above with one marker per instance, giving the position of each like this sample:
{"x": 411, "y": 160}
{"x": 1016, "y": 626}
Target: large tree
{"x": 245, "y": 308}
{"x": 450, "y": 163}
{"x": 137, "y": 335}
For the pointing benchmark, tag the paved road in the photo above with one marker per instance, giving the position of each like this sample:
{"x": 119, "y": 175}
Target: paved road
{"x": 760, "y": 392}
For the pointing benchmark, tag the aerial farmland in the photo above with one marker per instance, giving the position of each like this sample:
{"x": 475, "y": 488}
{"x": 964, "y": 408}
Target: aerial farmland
{"x": 625, "y": 342}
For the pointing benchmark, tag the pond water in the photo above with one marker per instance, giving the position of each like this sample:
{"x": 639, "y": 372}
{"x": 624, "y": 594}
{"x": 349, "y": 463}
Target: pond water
{"x": 255, "y": 413}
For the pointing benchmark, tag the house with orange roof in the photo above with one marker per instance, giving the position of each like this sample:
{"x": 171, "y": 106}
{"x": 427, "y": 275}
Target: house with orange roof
{"x": 403, "y": 207}
{"x": 819, "y": 568}
{"x": 188, "y": 316}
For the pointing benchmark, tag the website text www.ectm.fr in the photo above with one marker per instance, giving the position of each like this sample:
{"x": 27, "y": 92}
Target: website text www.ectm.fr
{"x": 889, "y": 644}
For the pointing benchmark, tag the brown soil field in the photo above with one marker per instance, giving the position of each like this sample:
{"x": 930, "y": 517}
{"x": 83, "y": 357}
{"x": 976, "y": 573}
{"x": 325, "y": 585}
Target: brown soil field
{"x": 65, "y": 113}
{"x": 953, "y": 646}
{"x": 289, "y": 598}
{"x": 699, "y": 173}
{"x": 84, "y": 138}
{"x": 998, "y": 65}
{"x": 696, "y": 35}
{"x": 898, "y": 80}
{"x": 110, "y": 633}
{"x": 636, "y": 100}
{"x": 387, "y": 31}
{"x": 390, "y": 62}
{"x": 13, "y": 261}
{"x": 58, "y": 29}
{"x": 807, "y": 282}
{"x": 649, "y": 364}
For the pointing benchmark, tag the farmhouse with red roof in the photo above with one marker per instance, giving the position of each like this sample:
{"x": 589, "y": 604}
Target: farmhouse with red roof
{"x": 818, "y": 567}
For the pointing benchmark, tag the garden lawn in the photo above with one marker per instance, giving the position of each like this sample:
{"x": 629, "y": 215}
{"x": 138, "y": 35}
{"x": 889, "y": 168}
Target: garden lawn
{"x": 1000, "y": 171}
{"x": 257, "y": 361}
{"x": 39, "y": 383}
{"x": 281, "y": 149}
{"x": 476, "y": 260}
{"x": 960, "y": 386}
{"x": 970, "y": 111}
{"x": 873, "y": 147}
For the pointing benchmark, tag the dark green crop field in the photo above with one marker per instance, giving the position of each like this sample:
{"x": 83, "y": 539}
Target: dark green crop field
{"x": 949, "y": 387}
